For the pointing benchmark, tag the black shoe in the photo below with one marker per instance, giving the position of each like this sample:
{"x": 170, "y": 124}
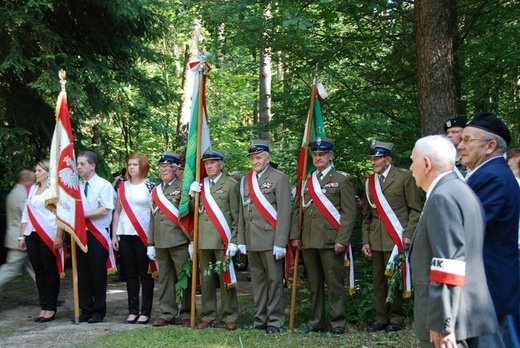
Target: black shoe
{"x": 271, "y": 330}
{"x": 252, "y": 326}
{"x": 308, "y": 329}
{"x": 338, "y": 330}
{"x": 394, "y": 327}
{"x": 45, "y": 320}
{"x": 377, "y": 327}
{"x": 143, "y": 321}
{"x": 37, "y": 319}
{"x": 95, "y": 320}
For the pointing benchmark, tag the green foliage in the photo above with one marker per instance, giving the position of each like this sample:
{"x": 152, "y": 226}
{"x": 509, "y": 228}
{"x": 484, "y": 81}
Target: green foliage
{"x": 183, "y": 281}
{"x": 218, "y": 267}
{"x": 395, "y": 276}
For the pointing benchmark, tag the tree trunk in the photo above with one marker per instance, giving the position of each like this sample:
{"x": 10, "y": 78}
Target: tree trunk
{"x": 265, "y": 78}
{"x": 435, "y": 31}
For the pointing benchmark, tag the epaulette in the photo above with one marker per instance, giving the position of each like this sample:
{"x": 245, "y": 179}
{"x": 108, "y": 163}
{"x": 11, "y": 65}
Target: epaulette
{"x": 232, "y": 179}
{"x": 345, "y": 174}
{"x": 278, "y": 171}
{"x": 402, "y": 170}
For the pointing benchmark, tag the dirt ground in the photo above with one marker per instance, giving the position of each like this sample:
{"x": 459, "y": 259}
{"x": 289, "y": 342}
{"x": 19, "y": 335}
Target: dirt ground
{"x": 19, "y": 305}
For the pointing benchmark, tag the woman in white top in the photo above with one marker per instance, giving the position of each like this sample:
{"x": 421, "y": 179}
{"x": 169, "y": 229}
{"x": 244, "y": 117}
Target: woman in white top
{"x": 42, "y": 239}
{"x": 129, "y": 236}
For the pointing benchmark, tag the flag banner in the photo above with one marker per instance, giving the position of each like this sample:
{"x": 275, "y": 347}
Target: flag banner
{"x": 317, "y": 129}
{"x": 198, "y": 101}
{"x": 64, "y": 195}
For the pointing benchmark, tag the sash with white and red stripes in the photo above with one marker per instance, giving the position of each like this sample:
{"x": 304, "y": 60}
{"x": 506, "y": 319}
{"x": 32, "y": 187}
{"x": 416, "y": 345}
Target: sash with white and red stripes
{"x": 103, "y": 239}
{"x": 220, "y": 223}
{"x": 45, "y": 231}
{"x": 332, "y": 215}
{"x": 264, "y": 207}
{"x": 392, "y": 225}
{"x": 165, "y": 205}
{"x": 141, "y": 232}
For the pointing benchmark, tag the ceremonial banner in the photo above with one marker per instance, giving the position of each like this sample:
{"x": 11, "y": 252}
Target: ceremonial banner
{"x": 64, "y": 193}
{"x": 198, "y": 101}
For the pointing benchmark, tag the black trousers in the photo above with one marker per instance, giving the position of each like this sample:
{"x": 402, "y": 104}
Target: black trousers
{"x": 43, "y": 261}
{"x": 92, "y": 278}
{"x": 133, "y": 255}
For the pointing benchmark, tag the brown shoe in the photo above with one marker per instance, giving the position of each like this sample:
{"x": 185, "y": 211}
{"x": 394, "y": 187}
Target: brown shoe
{"x": 186, "y": 322}
{"x": 204, "y": 325}
{"x": 161, "y": 322}
{"x": 230, "y": 326}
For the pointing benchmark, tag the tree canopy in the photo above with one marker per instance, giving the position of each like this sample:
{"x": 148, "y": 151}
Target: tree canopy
{"x": 126, "y": 64}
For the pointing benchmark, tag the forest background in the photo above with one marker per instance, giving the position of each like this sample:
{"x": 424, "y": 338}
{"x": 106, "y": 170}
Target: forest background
{"x": 394, "y": 70}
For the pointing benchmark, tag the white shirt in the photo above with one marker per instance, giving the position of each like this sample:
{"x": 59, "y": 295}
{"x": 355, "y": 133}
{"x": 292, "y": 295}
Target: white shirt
{"x": 138, "y": 196}
{"x": 38, "y": 202}
{"x": 100, "y": 194}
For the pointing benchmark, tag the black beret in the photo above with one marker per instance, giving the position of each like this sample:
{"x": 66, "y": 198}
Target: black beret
{"x": 491, "y": 123}
{"x": 455, "y": 122}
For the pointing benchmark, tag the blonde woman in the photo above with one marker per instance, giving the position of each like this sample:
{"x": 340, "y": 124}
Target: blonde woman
{"x": 43, "y": 240}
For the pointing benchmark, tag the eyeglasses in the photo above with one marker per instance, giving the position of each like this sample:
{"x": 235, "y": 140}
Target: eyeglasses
{"x": 468, "y": 139}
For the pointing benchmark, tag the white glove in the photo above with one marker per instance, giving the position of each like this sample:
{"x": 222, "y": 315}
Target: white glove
{"x": 278, "y": 252}
{"x": 242, "y": 248}
{"x": 150, "y": 252}
{"x": 231, "y": 249}
{"x": 190, "y": 250}
{"x": 195, "y": 187}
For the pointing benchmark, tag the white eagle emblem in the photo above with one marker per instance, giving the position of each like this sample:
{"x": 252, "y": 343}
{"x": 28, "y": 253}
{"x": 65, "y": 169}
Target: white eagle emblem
{"x": 69, "y": 174}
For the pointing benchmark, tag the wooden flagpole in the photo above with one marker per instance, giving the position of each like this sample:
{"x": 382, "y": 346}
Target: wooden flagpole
{"x": 194, "y": 273}
{"x": 300, "y": 212}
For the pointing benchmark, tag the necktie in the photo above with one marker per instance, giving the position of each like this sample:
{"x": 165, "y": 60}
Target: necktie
{"x": 85, "y": 190}
{"x": 165, "y": 186}
{"x": 211, "y": 183}
{"x": 320, "y": 176}
{"x": 381, "y": 179}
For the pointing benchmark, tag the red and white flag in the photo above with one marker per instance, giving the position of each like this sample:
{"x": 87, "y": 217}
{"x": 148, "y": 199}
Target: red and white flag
{"x": 64, "y": 193}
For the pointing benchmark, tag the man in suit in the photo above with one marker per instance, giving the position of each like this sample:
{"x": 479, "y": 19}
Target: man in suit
{"x": 16, "y": 260}
{"x": 453, "y": 130}
{"x": 484, "y": 142}
{"x": 452, "y": 303}
{"x": 388, "y": 225}
{"x": 329, "y": 214}
{"x": 263, "y": 226}
{"x": 168, "y": 243}
{"x": 218, "y": 221}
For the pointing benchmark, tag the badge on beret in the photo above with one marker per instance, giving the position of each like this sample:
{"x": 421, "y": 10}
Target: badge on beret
{"x": 448, "y": 124}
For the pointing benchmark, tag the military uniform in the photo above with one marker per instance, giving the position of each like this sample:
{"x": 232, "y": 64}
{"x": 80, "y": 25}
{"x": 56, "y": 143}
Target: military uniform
{"x": 260, "y": 238}
{"x": 319, "y": 236}
{"x": 401, "y": 192}
{"x": 211, "y": 248}
{"x": 171, "y": 247}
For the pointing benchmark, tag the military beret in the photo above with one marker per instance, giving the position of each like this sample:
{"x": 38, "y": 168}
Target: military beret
{"x": 380, "y": 148}
{"x": 169, "y": 157}
{"x": 455, "y": 122}
{"x": 258, "y": 146}
{"x": 321, "y": 145}
{"x": 213, "y": 154}
{"x": 490, "y": 122}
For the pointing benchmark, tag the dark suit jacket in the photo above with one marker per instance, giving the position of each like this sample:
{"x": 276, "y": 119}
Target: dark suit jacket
{"x": 318, "y": 232}
{"x": 451, "y": 227}
{"x": 497, "y": 189}
{"x": 401, "y": 193}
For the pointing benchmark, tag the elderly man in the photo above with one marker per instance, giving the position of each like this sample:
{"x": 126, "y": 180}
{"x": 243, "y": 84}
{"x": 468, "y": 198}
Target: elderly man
{"x": 218, "y": 220}
{"x": 329, "y": 214}
{"x": 484, "y": 142}
{"x": 263, "y": 226}
{"x": 16, "y": 260}
{"x": 453, "y": 130}
{"x": 452, "y": 303}
{"x": 168, "y": 243}
{"x": 388, "y": 227}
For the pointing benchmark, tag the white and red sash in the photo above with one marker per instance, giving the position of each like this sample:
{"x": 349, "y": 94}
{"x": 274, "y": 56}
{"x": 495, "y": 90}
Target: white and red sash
{"x": 329, "y": 211}
{"x": 141, "y": 232}
{"x": 101, "y": 234}
{"x": 219, "y": 221}
{"x": 393, "y": 226}
{"x": 45, "y": 231}
{"x": 165, "y": 205}
{"x": 264, "y": 207}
